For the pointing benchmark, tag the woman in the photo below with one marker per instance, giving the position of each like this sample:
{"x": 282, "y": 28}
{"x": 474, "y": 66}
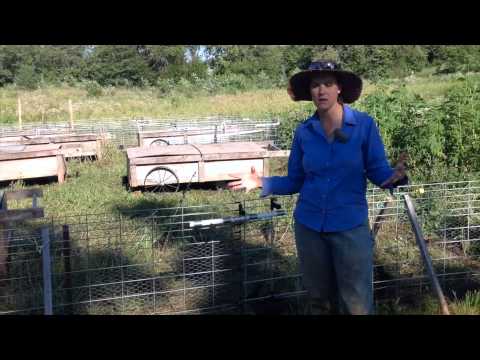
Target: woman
{"x": 333, "y": 154}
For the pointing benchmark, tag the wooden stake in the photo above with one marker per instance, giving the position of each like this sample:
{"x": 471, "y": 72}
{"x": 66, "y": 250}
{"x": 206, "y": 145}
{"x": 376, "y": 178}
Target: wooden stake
{"x": 19, "y": 114}
{"x": 61, "y": 169}
{"x": 70, "y": 109}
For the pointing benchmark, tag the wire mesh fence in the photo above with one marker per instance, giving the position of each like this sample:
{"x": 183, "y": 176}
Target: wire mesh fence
{"x": 21, "y": 276}
{"x": 152, "y": 262}
{"x": 124, "y": 132}
{"x": 450, "y": 220}
{"x": 156, "y": 262}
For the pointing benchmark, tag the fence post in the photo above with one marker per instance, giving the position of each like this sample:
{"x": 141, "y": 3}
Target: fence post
{"x": 67, "y": 267}
{"x": 19, "y": 114}
{"x": 70, "y": 110}
{"x": 47, "y": 272}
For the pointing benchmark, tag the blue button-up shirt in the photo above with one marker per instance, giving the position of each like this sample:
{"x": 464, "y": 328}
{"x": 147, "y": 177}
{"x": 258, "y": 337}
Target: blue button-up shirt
{"x": 331, "y": 176}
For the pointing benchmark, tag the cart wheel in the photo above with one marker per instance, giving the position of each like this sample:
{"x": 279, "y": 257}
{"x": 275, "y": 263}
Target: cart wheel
{"x": 161, "y": 179}
{"x": 159, "y": 142}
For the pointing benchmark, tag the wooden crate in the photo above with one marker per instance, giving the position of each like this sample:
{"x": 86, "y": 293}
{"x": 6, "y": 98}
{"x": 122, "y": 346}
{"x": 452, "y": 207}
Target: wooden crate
{"x": 46, "y": 161}
{"x": 70, "y": 145}
{"x": 197, "y": 163}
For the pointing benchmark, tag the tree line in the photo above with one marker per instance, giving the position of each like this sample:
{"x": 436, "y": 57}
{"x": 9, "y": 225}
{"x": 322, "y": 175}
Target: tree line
{"x": 265, "y": 65}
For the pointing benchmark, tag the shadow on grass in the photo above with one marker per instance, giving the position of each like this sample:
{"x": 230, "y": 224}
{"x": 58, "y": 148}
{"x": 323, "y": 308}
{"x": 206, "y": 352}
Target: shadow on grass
{"x": 113, "y": 281}
{"x": 225, "y": 266}
{"x": 204, "y": 271}
{"x": 29, "y": 182}
{"x": 412, "y": 295}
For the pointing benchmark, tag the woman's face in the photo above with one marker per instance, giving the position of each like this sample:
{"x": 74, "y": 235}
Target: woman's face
{"x": 324, "y": 90}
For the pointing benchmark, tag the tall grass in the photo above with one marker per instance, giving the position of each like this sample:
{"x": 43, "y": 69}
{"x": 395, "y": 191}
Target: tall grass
{"x": 50, "y": 103}
{"x": 469, "y": 305}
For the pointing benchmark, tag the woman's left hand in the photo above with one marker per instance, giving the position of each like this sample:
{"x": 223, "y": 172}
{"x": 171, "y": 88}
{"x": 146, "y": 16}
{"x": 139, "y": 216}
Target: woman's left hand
{"x": 400, "y": 171}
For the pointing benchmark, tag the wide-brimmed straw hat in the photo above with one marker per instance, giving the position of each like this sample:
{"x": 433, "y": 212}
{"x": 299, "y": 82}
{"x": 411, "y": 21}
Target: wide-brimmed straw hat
{"x": 299, "y": 84}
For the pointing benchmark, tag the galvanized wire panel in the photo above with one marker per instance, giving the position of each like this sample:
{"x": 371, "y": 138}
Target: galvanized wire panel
{"x": 124, "y": 131}
{"x": 153, "y": 262}
{"x": 21, "y": 280}
{"x": 157, "y": 264}
{"x": 449, "y": 216}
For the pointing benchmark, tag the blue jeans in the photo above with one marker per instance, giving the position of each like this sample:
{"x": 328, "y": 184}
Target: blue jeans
{"x": 337, "y": 269}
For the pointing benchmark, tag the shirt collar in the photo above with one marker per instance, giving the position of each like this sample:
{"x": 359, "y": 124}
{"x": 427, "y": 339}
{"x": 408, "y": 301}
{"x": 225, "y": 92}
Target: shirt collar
{"x": 348, "y": 116}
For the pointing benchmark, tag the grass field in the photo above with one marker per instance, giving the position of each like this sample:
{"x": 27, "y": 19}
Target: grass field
{"x": 98, "y": 186}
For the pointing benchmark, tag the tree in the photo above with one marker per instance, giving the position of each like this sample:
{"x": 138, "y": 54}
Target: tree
{"x": 26, "y": 76}
{"x": 119, "y": 65}
{"x": 382, "y": 61}
{"x": 50, "y": 62}
{"x": 248, "y": 60}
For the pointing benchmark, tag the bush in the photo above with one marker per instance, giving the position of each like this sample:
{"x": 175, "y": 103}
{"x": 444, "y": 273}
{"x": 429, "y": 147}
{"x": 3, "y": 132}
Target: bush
{"x": 231, "y": 83}
{"x": 165, "y": 86}
{"x": 458, "y": 58}
{"x": 408, "y": 123}
{"x": 93, "y": 89}
{"x": 289, "y": 122}
{"x": 460, "y": 116}
{"x": 185, "y": 87}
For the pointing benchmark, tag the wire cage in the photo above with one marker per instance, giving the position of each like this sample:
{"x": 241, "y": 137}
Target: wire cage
{"x": 124, "y": 132}
{"x": 206, "y": 260}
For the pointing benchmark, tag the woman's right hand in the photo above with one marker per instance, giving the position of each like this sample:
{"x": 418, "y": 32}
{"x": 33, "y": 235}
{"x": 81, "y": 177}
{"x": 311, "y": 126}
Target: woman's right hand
{"x": 248, "y": 181}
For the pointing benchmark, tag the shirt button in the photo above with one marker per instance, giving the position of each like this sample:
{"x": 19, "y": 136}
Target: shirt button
{"x": 328, "y": 179}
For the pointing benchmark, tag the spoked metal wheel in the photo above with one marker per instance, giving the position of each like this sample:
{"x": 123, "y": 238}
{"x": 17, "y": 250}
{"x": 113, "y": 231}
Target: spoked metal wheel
{"x": 161, "y": 179}
{"x": 159, "y": 142}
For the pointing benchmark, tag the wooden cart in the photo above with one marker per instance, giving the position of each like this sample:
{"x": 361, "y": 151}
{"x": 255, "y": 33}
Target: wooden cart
{"x": 46, "y": 160}
{"x": 70, "y": 145}
{"x": 165, "y": 168}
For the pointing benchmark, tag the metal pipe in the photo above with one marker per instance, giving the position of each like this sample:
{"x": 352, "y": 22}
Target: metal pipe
{"x": 47, "y": 272}
{"x": 425, "y": 256}
{"x": 238, "y": 219}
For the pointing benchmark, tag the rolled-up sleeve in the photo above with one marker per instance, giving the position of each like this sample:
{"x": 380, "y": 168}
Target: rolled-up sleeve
{"x": 292, "y": 183}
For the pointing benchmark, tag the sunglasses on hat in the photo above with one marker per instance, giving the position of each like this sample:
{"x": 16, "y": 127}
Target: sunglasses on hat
{"x": 323, "y": 65}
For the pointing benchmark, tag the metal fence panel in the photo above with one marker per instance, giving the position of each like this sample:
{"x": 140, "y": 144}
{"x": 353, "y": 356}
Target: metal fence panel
{"x": 153, "y": 262}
